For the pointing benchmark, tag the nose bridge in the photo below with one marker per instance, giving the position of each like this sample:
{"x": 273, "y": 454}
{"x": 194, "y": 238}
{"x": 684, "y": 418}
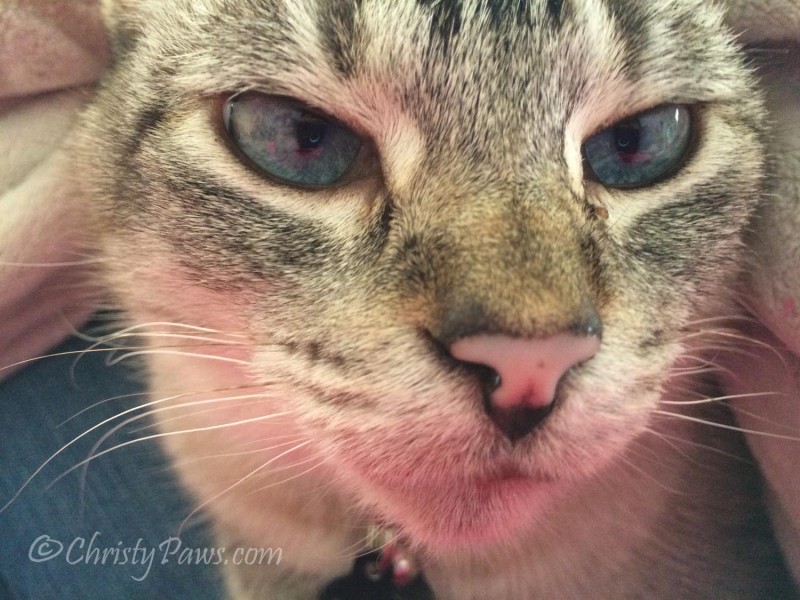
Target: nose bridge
{"x": 518, "y": 269}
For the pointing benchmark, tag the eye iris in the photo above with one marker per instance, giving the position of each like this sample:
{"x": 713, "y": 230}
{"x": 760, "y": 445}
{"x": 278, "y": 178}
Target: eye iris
{"x": 641, "y": 150}
{"x": 288, "y": 142}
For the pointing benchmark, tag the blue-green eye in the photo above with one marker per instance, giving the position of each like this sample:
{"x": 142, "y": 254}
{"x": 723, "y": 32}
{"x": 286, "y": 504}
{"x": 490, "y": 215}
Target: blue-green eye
{"x": 289, "y": 142}
{"x": 643, "y": 149}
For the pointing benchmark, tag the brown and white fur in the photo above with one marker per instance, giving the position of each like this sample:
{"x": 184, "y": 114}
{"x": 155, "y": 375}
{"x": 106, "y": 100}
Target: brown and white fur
{"x": 299, "y": 341}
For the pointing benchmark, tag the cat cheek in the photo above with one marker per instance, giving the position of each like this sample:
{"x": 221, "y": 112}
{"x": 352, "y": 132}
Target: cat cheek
{"x": 207, "y": 322}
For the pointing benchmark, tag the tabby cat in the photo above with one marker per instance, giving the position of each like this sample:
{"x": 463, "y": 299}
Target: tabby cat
{"x": 440, "y": 277}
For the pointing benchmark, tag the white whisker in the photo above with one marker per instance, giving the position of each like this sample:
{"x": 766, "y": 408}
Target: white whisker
{"x": 197, "y": 459}
{"x": 76, "y": 439}
{"x": 240, "y": 481}
{"x": 777, "y": 436}
{"x": 162, "y": 435}
{"x": 100, "y": 403}
{"x": 53, "y": 265}
{"x": 319, "y": 462}
{"x": 720, "y": 398}
{"x": 195, "y": 413}
{"x": 159, "y": 351}
{"x": 163, "y": 409}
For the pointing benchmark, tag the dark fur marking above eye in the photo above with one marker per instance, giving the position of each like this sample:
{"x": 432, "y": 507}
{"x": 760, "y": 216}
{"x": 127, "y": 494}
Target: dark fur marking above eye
{"x": 631, "y": 20}
{"x": 147, "y": 122}
{"x": 500, "y": 11}
{"x": 554, "y": 9}
{"x": 342, "y": 38}
{"x": 446, "y": 22}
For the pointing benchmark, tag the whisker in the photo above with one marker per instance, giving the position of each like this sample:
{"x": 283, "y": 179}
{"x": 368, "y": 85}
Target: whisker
{"x": 100, "y": 403}
{"x": 723, "y": 319}
{"x": 707, "y": 365}
{"x": 251, "y": 400}
{"x": 162, "y": 409}
{"x": 764, "y": 419}
{"x": 197, "y": 459}
{"x": 56, "y": 355}
{"x": 720, "y": 398}
{"x": 77, "y": 438}
{"x": 739, "y": 337}
{"x": 375, "y": 539}
{"x": 143, "y": 326}
{"x": 678, "y": 441}
{"x": 163, "y": 352}
{"x": 319, "y": 462}
{"x": 167, "y": 335}
{"x": 160, "y": 436}
{"x": 239, "y": 482}
{"x": 630, "y": 463}
{"x": 686, "y": 371}
{"x": 767, "y": 434}
{"x": 727, "y": 350}
{"x": 53, "y": 265}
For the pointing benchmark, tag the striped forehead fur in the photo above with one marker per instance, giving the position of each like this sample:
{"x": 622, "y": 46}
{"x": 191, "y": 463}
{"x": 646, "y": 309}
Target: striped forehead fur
{"x": 440, "y": 50}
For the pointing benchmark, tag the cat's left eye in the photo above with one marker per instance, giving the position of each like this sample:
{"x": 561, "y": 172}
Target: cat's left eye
{"x": 289, "y": 142}
{"x": 641, "y": 150}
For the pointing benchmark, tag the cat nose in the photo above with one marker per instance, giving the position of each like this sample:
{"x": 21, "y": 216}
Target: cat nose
{"x": 526, "y": 373}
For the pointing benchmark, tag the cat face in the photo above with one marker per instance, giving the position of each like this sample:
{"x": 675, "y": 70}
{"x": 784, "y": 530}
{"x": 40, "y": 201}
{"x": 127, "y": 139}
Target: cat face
{"x": 341, "y": 192}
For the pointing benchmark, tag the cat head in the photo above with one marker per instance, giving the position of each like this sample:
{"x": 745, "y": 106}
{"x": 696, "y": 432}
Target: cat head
{"x": 393, "y": 201}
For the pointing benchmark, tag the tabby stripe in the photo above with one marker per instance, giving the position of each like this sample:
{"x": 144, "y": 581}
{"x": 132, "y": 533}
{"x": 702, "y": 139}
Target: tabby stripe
{"x": 446, "y": 22}
{"x": 630, "y": 20}
{"x": 223, "y": 220}
{"x": 147, "y": 122}
{"x": 341, "y": 36}
{"x": 555, "y": 9}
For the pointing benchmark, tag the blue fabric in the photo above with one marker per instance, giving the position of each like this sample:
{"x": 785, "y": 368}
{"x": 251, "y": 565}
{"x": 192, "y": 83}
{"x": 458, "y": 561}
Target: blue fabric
{"x": 124, "y": 498}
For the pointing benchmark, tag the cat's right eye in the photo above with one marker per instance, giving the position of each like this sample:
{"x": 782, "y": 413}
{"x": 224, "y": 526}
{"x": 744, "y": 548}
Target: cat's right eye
{"x": 289, "y": 142}
{"x": 642, "y": 149}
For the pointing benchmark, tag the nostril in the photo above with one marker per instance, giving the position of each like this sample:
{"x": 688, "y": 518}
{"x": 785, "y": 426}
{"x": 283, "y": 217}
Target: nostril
{"x": 487, "y": 377}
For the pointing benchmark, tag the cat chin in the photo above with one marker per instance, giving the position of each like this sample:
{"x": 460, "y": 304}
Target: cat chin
{"x": 462, "y": 515}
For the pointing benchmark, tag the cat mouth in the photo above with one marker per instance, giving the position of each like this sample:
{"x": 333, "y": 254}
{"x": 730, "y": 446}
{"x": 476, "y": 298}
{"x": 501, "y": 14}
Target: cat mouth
{"x": 471, "y": 512}
{"x": 506, "y": 484}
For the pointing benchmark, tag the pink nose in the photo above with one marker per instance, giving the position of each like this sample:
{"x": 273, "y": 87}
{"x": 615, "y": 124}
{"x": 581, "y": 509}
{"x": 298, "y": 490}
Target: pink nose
{"x": 529, "y": 372}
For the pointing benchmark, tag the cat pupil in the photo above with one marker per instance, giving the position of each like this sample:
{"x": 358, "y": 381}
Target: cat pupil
{"x": 310, "y": 134}
{"x": 627, "y": 137}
